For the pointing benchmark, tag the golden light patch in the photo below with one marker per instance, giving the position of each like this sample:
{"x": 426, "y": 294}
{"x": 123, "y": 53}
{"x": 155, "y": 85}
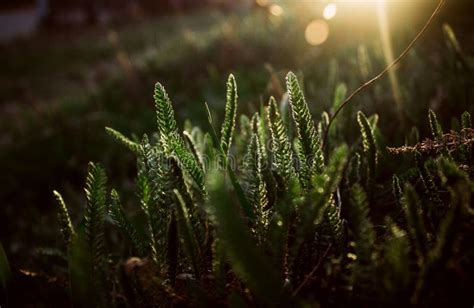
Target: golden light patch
{"x": 276, "y": 10}
{"x": 330, "y": 11}
{"x": 317, "y": 32}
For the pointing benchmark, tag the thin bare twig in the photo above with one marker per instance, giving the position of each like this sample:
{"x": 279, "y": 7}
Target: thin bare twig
{"x": 383, "y": 72}
{"x": 310, "y": 275}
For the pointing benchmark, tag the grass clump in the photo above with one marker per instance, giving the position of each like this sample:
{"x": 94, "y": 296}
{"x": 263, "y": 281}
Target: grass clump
{"x": 269, "y": 220}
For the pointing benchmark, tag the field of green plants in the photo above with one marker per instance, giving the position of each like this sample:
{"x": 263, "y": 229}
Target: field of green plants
{"x": 201, "y": 166}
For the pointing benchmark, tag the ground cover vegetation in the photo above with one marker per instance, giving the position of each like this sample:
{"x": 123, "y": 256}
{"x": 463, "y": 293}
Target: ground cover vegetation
{"x": 238, "y": 203}
{"x": 269, "y": 219}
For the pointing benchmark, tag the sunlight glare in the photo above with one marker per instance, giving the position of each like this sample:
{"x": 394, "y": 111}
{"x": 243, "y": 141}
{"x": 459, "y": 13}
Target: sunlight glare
{"x": 276, "y": 10}
{"x": 262, "y": 2}
{"x": 388, "y": 50}
{"x": 357, "y": 4}
{"x": 361, "y": 1}
{"x": 330, "y": 11}
{"x": 317, "y": 32}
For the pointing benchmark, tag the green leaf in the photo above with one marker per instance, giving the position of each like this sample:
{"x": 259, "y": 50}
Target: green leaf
{"x": 261, "y": 131}
{"x": 230, "y": 115}
{"x": 353, "y": 172}
{"x": 436, "y": 129}
{"x": 415, "y": 221}
{"x": 235, "y": 183}
{"x": 188, "y": 161}
{"x": 430, "y": 188}
{"x": 247, "y": 259}
{"x": 370, "y": 150}
{"x": 397, "y": 263}
{"x": 149, "y": 178}
{"x": 339, "y": 95}
{"x": 332, "y": 177}
{"x": 166, "y": 174}
{"x": 191, "y": 144}
{"x": 365, "y": 64}
{"x": 466, "y": 120}
{"x": 459, "y": 186}
{"x": 142, "y": 183}
{"x": 118, "y": 136}
{"x": 94, "y": 217}
{"x": 121, "y": 221}
{"x": 309, "y": 150}
{"x": 454, "y": 46}
{"x": 320, "y": 197}
{"x": 361, "y": 225}
{"x": 323, "y": 125}
{"x": 364, "y": 238}
{"x": 397, "y": 190}
{"x": 86, "y": 288}
{"x": 282, "y": 159}
{"x": 336, "y": 225}
{"x": 64, "y": 221}
{"x": 188, "y": 234}
{"x": 255, "y": 187}
{"x": 167, "y": 126}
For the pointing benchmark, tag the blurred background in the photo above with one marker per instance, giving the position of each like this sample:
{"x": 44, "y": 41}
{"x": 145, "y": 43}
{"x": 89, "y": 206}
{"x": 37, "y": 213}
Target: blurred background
{"x": 71, "y": 67}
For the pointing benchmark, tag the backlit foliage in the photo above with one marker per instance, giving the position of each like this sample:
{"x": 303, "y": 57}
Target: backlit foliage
{"x": 272, "y": 223}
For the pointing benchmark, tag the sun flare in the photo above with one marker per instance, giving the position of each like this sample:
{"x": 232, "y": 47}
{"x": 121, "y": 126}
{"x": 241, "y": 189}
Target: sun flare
{"x": 276, "y": 10}
{"x": 330, "y": 11}
{"x": 317, "y": 32}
